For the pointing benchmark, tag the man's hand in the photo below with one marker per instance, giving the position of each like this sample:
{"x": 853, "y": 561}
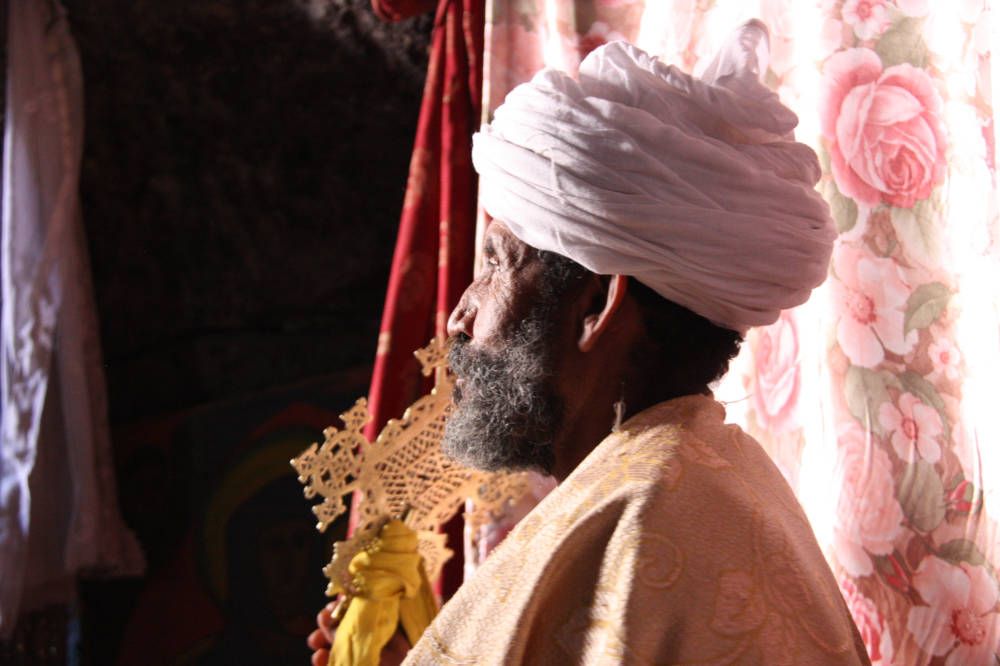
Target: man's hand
{"x": 321, "y": 639}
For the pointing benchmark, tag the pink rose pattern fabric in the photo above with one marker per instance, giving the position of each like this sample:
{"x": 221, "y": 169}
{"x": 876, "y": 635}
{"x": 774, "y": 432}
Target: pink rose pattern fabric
{"x": 960, "y": 620}
{"x": 869, "y": 519}
{"x": 879, "y": 376}
{"x": 883, "y": 128}
{"x": 777, "y": 374}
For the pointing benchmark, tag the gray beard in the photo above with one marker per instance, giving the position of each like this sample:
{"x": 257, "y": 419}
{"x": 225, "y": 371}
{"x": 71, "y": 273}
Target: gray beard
{"x": 507, "y": 412}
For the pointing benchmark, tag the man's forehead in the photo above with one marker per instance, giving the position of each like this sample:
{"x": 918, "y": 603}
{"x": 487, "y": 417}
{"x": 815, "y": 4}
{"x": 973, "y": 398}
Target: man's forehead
{"x": 497, "y": 232}
{"x": 499, "y": 238}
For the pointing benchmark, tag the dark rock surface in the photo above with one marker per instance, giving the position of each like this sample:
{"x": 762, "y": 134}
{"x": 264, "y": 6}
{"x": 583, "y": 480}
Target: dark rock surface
{"x": 243, "y": 174}
{"x": 244, "y": 169}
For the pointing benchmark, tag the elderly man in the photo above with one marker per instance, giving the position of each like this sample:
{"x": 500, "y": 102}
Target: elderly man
{"x": 643, "y": 221}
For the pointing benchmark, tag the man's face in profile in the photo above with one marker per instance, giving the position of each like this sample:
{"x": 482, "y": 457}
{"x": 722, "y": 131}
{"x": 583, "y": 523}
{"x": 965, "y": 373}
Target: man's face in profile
{"x": 507, "y": 410}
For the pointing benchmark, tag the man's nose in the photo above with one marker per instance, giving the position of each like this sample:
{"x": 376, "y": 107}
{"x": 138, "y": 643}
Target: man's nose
{"x": 462, "y": 318}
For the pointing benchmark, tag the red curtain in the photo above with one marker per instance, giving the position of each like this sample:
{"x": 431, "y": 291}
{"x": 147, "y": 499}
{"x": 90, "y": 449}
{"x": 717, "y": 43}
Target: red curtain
{"x": 433, "y": 259}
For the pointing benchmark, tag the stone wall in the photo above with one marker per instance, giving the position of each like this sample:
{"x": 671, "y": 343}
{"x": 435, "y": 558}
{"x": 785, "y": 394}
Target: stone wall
{"x": 243, "y": 173}
{"x": 244, "y": 168}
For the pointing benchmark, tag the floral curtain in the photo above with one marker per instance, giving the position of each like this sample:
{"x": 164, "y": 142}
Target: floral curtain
{"x": 875, "y": 398}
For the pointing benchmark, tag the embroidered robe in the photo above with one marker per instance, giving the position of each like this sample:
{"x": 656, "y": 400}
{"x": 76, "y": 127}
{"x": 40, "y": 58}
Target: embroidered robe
{"x": 676, "y": 541}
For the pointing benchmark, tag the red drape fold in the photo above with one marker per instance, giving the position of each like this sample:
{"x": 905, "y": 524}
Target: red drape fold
{"x": 397, "y": 10}
{"x": 433, "y": 258}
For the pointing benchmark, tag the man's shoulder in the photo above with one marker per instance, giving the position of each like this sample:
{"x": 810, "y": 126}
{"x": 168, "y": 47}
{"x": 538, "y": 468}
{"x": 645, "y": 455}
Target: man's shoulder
{"x": 664, "y": 544}
{"x": 714, "y": 469}
{"x": 664, "y": 449}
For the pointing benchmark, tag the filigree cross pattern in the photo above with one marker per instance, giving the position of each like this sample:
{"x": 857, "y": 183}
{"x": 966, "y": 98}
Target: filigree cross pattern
{"x": 402, "y": 474}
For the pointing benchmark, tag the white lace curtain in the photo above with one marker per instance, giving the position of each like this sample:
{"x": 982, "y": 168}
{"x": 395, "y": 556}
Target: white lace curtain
{"x": 58, "y": 508}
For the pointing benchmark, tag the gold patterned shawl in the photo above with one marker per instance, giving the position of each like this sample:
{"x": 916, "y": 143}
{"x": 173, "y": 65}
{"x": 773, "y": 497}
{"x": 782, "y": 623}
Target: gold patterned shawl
{"x": 676, "y": 541}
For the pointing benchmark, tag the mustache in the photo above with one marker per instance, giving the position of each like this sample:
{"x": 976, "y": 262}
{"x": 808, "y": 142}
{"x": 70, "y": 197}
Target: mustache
{"x": 458, "y": 353}
{"x": 506, "y": 413}
{"x": 475, "y": 367}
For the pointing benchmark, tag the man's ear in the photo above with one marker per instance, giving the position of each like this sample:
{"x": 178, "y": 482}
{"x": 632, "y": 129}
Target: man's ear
{"x": 594, "y": 325}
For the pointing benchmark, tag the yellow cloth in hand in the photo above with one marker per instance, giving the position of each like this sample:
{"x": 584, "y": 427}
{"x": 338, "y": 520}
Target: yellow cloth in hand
{"x": 393, "y": 590}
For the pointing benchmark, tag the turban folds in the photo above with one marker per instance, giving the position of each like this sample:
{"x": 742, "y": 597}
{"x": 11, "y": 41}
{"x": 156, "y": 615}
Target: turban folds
{"x": 694, "y": 186}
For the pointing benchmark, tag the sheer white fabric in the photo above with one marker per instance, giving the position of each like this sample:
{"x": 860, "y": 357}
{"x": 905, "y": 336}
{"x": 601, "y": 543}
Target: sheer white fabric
{"x": 58, "y": 511}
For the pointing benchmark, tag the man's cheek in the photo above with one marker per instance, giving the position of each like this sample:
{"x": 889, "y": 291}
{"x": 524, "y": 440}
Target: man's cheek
{"x": 497, "y": 315}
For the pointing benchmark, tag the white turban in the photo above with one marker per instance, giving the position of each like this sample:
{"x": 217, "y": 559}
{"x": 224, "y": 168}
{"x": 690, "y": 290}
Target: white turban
{"x": 695, "y": 187}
